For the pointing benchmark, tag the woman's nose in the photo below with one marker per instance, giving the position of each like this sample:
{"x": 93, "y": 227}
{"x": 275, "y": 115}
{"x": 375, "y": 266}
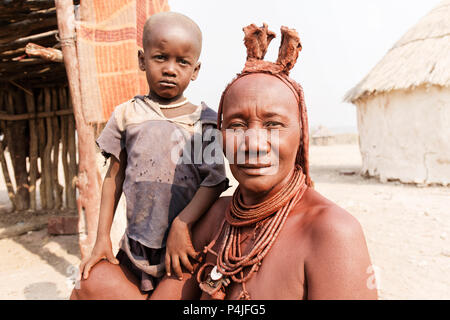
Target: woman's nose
{"x": 257, "y": 142}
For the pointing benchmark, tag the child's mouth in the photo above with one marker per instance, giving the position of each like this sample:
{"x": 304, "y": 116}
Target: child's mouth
{"x": 167, "y": 84}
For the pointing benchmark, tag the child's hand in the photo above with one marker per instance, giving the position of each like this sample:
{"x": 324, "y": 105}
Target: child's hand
{"x": 102, "y": 250}
{"x": 179, "y": 247}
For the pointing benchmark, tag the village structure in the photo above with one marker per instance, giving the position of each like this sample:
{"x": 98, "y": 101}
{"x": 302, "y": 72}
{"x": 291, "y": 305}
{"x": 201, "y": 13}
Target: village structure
{"x": 403, "y": 106}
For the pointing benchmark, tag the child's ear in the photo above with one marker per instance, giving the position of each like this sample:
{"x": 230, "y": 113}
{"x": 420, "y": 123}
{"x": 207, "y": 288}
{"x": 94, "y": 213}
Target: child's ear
{"x": 141, "y": 60}
{"x": 196, "y": 70}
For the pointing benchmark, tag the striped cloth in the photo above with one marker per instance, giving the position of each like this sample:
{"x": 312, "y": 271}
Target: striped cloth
{"x": 109, "y": 35}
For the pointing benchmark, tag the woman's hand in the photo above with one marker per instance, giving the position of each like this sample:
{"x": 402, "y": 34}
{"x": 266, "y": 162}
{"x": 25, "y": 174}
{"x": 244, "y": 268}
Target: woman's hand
{"x": 102, "y": 250}
{"x": 179, "y": 247}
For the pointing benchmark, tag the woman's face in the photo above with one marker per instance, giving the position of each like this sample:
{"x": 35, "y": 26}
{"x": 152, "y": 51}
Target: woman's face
{"x": 261, "y": 132}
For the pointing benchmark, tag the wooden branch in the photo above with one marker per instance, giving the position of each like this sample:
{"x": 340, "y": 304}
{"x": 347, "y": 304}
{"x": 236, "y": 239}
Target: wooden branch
{"x": 4, "y": 129}
{"x": 47, "y": 81}
{"x": 31, "y": 108}
{"x": 27, "y": 4}
{"x": 49, "y": 69}
{"x": 49, "y": 54}
{"x": 37, "y": 14}
{"x": 58, "y": 189}
{"x": 18, "y": 65}
{"x": 6, "y": 176}
{"x": 41, "y": 38}
{"x": 39, "y": 115}
{"x": 41, "y": 147}
{"x": 64, "y": 127}
{"x": 72, "y": 150}
{"x": 10, "y": 54}
{"x": 15, "y": 31}
{"x": 19, "y": 151}
{"x": 88, "y": 178}
{"x": 47, "y": 168}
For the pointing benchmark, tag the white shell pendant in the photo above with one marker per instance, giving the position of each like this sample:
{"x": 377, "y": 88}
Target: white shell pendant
{"x": 215, "y": 274}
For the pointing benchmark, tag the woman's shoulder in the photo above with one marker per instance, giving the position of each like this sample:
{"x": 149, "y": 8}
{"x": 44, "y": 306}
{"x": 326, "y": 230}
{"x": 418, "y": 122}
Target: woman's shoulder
{"x": 326, "y": 221}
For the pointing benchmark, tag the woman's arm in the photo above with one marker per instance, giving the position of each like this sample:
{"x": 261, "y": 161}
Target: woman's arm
{"x": 338, "y": 263}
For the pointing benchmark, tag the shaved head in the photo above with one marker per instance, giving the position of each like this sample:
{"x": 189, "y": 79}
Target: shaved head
{"x": 170, "y": 21}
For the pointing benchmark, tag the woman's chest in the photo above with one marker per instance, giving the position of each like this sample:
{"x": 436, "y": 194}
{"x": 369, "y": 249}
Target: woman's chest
{"x": 279, "y": 275}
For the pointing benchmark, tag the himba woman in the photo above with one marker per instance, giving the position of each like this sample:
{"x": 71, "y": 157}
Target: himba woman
{"x": 276, "y": 237}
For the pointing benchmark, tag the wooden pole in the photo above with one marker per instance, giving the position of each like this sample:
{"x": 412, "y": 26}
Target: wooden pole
{"x": 88, "y": 180}
{"x": 72, "y": 150}
{"x": 18, "y": 151}
{"x": 33, "y": 151}
{"x": 58, "y": 189}
{"x": 47, "y": 158}
{"x": 41, "y": 147}
{"x": 65, "y": 164}
{"x": 3, "y": 143}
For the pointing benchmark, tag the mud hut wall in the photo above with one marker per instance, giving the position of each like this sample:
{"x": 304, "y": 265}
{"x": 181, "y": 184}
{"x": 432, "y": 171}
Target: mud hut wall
{"x": 38, "y": 141}
{"x": 404, "y": 135}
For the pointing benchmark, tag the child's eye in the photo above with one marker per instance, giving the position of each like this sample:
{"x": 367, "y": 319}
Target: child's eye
{"x": 184, "y": 62}
{"x": 159, "y": 57}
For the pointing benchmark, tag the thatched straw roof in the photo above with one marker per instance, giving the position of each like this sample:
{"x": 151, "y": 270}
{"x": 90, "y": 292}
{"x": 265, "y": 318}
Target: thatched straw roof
{"x": 420, "y": 57}
{"x": 29, "y": 22}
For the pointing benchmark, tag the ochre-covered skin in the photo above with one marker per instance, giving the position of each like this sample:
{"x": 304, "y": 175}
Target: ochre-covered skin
{"x": 257, "y": 40}
{"x": 172, "y": 44}
{"x": 320, "y": 251}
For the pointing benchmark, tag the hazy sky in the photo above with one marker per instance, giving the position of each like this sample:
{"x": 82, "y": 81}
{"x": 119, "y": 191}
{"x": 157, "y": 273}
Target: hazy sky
{"x": 342, "y": 41}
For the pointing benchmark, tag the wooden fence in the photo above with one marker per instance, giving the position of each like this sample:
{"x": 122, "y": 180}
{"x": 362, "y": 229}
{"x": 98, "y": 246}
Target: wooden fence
{"x": 38, "y": 129}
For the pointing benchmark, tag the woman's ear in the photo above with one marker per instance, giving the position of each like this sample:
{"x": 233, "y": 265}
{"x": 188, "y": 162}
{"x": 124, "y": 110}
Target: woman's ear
{"x": 141, "y": 60}
{"x": 196, "y": 70}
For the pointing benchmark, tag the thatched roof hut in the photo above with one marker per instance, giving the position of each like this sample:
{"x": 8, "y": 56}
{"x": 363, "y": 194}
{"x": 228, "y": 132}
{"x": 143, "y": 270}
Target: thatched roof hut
{"x": 321, "y": 135}
{"x": 403, "y": 105}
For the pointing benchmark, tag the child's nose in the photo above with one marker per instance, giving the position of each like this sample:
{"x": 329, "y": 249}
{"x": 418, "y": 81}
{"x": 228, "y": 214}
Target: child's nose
{"x": 169, "y": 69}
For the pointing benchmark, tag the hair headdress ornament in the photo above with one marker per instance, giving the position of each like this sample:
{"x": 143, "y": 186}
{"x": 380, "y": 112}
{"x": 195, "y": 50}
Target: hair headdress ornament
{"x": 257, "y": 40}
{"x": 268, "y": 216}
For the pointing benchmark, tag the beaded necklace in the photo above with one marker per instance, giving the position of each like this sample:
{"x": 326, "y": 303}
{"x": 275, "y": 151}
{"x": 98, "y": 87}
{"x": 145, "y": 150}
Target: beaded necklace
{"x": 271, "y": 214}
{"x": 168, "y": 106}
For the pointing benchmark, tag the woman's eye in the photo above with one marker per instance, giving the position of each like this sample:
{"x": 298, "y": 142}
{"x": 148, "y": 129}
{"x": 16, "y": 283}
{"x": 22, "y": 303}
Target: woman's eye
{"x": 236, "y": 125}
{"x": 273, "y": 124}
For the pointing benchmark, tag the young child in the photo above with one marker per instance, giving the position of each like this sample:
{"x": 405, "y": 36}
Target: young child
{"x": 161, "y": 192}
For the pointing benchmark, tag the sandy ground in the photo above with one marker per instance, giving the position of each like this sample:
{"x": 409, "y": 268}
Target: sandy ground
{"x": 407, "y": 230}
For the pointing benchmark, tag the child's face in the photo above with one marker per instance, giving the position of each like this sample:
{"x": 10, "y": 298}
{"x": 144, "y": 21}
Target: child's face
{"x": 169, "y": 61}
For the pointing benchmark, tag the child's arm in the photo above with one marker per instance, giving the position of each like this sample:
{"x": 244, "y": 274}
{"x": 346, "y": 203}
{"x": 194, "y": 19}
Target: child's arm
{"x": 179, "y": 245}
{"x": 111, "y": 192}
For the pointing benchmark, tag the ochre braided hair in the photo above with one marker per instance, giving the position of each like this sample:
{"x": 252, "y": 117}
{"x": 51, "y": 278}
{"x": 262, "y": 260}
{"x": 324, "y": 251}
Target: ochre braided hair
{"x": 257, "y": 40}
{"x": 269, "y": 216}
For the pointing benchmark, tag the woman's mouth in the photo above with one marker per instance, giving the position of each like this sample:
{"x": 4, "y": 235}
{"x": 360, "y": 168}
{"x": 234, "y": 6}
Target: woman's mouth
{"x": 256, "y": 169}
